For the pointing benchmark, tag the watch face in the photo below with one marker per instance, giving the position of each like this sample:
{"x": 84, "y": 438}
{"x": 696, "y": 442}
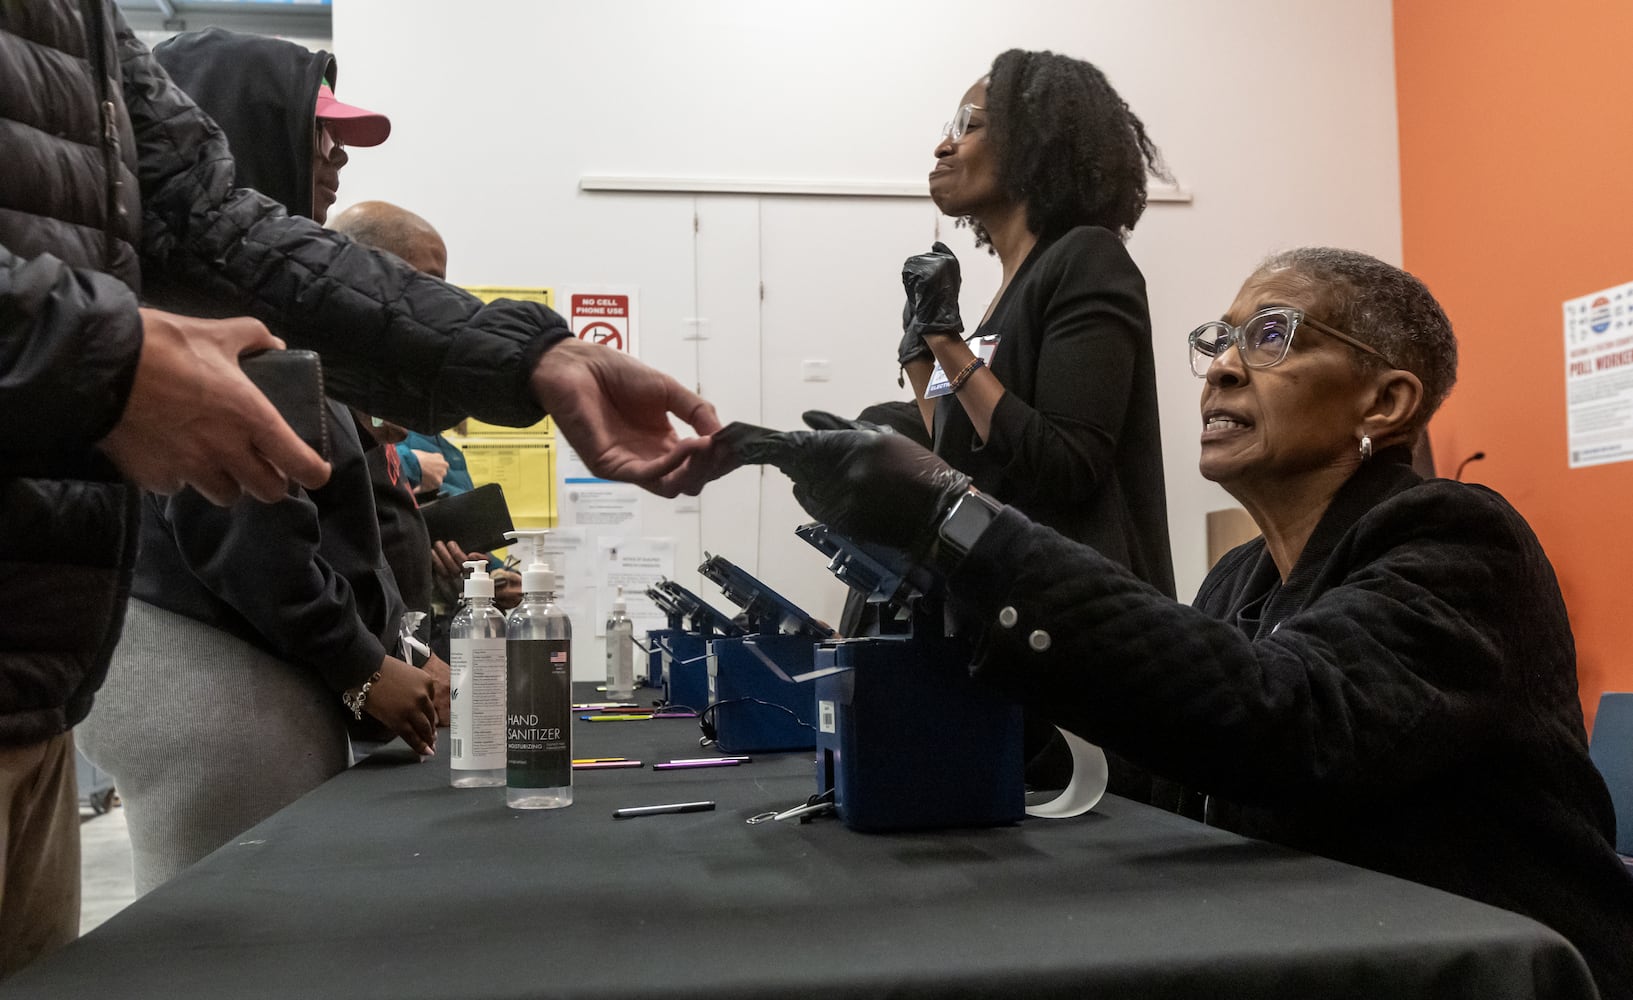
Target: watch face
{"x": 966, "y": 521}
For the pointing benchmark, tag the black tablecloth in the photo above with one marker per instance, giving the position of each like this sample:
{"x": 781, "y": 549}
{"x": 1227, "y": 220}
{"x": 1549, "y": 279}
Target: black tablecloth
{"x": 386, "y": 883}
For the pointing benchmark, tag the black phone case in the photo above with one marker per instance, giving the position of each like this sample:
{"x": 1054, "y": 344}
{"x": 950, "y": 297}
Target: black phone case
{"x": 475, "y": 521}
{"x": 293, "y": 382}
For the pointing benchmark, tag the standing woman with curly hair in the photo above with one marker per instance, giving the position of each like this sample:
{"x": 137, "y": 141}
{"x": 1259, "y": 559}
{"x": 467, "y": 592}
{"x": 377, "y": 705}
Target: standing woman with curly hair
{"x": 1057, "y": 413}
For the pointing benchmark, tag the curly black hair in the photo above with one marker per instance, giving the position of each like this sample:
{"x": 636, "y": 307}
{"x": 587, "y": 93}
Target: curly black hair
{"x": 1066, "y": 144}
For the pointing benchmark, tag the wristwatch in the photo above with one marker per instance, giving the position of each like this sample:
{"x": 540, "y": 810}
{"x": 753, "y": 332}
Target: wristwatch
{"x": 963, "y": 525}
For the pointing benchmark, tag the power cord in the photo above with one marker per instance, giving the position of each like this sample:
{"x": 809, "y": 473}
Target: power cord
{"x": 705, "y": 718}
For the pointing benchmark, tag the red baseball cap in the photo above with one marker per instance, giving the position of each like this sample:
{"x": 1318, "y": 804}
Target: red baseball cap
{"x": 350, "y": 125}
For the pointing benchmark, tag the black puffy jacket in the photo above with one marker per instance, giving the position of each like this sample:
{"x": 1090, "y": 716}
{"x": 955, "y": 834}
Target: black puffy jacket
{"x": 111, "y": 177}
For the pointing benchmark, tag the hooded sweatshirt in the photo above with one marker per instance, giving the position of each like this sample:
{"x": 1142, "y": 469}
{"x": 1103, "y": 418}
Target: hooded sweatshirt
{"x": 303, "y": 578}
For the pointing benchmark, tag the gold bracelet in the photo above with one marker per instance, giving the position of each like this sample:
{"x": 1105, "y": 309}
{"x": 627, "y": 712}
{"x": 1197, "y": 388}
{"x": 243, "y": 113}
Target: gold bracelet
{"x": 964, "y": 375}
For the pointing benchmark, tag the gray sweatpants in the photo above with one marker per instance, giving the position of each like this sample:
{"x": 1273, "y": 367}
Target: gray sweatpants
{"x": 205, "y": 736}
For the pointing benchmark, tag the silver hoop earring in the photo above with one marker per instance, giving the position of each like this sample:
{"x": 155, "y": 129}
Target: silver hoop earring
{"x": 1366, "y": 447}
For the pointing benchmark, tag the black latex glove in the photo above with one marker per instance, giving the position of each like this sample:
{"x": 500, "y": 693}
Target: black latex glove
{"x": 931, "y": 281}
{"x": 822, "y": 420}
{"x": 869, "y": 485}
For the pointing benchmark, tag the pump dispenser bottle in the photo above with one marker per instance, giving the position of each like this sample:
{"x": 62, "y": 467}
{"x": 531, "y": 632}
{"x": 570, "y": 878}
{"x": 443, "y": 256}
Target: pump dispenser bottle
{"x": 539, "y": 669}
{"x": 620, "y": 652}
{"x": 476, "y": 662}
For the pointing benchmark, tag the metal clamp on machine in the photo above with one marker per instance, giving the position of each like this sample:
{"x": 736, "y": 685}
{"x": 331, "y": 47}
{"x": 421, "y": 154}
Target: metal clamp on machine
{"x": 906, "y": 741}
{"x": 678, "y": 654}
{"x": 759, "y": 697}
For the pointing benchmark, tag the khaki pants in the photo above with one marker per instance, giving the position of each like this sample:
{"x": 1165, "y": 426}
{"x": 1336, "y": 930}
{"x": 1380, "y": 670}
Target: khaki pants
{"x": 39, "y": 850}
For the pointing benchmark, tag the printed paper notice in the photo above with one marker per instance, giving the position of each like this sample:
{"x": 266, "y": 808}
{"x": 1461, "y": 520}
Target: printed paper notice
{"x": 523, "y": 466}
{"x": 1599, "y": 377}
{"x": 634, "y": 564}
{"x": 613, "y": 508}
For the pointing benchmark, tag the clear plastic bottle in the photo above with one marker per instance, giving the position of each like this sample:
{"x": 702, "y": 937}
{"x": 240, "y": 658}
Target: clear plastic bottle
{"x": 620, "y": 652}
{"x": 476, "y": 662}
{"x": 539, "y": 668}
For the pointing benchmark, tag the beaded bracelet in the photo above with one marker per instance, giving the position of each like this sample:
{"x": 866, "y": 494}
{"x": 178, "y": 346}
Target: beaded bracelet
{"x": 964, "y": 375}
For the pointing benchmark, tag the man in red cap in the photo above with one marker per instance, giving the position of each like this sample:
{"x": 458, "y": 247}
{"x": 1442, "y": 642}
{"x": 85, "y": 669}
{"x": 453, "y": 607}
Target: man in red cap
{"x": 338, "y": 126}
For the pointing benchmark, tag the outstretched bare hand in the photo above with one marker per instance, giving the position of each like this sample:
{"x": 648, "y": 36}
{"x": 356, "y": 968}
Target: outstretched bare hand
{"x": 614, "y": 411}
{"x": 194, "y": 419}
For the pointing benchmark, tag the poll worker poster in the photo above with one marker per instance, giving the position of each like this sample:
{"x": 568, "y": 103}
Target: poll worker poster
{"x": 1599, "y": 376}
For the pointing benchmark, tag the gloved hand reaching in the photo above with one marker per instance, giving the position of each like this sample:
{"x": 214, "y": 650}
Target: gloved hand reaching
{"x": 870, "y": 485}
{"x": 931, "y": 281}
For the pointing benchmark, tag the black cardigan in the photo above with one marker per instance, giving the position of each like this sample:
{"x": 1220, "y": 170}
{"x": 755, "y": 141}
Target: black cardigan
{"x": 1075, "y": 442}
{"x": 1406, "y": 702}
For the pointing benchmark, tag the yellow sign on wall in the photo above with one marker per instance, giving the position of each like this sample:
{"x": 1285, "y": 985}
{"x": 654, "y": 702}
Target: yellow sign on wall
{"x": 521, "y": 459}
{"x": 487, "y": 293}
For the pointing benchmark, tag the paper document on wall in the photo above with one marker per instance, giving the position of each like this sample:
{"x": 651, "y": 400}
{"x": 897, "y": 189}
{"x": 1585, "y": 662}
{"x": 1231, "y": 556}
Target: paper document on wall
{"x": 634, "y": 564}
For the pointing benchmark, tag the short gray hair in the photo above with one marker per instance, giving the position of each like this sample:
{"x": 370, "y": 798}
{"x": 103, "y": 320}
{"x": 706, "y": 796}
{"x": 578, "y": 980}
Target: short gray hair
{"x": 1381, "y": 305}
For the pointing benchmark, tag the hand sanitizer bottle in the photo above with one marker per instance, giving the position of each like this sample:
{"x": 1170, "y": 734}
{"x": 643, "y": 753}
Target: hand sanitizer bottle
{"x": 476, "y": 661}
{"x": 539, "y": 669}
{"x": 620, "y": 652}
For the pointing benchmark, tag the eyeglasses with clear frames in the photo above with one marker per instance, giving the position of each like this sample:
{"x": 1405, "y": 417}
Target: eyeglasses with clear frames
{"x": 1263, "y": 340}
{"x": 960, "y": 125}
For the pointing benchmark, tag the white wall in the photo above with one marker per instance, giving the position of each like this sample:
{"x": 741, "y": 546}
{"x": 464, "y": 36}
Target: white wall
{"x": 1278, "y": 115}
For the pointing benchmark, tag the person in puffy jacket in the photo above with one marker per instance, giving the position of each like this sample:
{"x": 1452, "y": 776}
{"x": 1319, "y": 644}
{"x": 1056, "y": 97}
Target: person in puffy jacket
{"x": 120, "y": 191}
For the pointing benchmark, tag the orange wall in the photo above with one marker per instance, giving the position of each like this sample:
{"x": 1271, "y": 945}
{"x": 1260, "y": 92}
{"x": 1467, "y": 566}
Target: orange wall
{"x": 1517, "y": 194}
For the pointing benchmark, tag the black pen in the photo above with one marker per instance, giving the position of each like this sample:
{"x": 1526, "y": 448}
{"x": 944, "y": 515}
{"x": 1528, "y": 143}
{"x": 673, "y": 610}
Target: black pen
{"x": 673, "y": 807}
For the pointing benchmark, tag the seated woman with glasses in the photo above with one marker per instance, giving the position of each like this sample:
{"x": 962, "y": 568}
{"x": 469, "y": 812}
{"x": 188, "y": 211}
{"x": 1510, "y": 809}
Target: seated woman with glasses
{"x": 1386, "y": 677}
{"x": 1053, "y": 405}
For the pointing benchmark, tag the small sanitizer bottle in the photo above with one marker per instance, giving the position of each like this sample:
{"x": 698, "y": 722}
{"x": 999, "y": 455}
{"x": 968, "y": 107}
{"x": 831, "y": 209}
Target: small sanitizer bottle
{"x": 476, "y": 662}
{"x": 620, "y": 652}
{"x": 539, "y": 670}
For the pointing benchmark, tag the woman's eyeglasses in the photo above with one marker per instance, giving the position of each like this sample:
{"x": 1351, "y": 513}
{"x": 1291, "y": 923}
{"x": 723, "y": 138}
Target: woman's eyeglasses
{"x": 1263, "y": 340}
{"x": 960, "y": 125}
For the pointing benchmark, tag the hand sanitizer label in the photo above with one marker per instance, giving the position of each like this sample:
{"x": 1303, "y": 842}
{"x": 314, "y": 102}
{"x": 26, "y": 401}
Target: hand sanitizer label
{"x": 476, "y": 715}
{"x": 540, "y": 744}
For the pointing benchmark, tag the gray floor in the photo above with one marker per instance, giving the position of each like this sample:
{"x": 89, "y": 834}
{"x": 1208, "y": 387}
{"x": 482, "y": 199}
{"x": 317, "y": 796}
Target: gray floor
{"x": 106, "y": 883}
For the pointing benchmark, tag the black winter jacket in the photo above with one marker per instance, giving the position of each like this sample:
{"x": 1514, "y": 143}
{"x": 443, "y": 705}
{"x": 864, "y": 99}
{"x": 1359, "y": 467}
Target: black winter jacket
{"x": 1406, "y": 702}
{"x": 105, "y": 161}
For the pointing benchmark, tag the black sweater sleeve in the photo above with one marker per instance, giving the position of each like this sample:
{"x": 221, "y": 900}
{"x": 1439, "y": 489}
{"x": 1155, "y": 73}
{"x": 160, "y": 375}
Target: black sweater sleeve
{"x": 1406, "y": 665}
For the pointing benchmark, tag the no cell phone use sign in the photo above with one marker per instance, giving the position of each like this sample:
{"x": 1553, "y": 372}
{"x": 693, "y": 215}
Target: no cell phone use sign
{"x": 604, "y": 318}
